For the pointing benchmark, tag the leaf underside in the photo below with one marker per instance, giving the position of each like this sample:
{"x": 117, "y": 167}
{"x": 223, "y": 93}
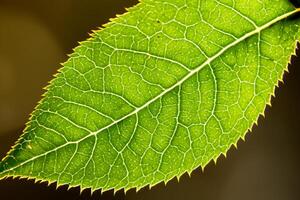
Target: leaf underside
{"x": 161, "y": 90}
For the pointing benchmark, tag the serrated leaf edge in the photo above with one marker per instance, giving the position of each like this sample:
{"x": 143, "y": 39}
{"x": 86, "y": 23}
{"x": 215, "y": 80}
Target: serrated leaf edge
{"x": 189, "y": 173}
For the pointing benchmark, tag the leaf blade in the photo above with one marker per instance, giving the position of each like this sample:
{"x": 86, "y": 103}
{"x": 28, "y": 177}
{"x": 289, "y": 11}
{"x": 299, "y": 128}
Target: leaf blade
{"x": 134, "y": 111}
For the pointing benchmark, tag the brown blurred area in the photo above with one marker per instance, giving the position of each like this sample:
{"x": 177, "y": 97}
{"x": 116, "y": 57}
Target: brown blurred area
{"x": 35, "y": 36}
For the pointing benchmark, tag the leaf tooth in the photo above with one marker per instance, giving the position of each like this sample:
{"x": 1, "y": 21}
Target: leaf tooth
{"x": 215, "y": 160}
{"x": 69, "y": 188}
{"x": 202, "y": 168}
{"x": 49, "y": 183}
{"x": 186, "y": 173}
{"x": 93, "y": 191}
{"x": 101, "y": 191}
{"x": 235, "y": 145}
{"x": 80, "y": 191}
{"x": 242, "y": 138}
{"x": 130, "y": 9}
{"x": 120, "y": 190}
{"x": 268, "y": 104}
{"x": 58, "y": 186}
{"x": 165, "y": 182}
{"x": 117, "y": 15}
{"x": 90, "y": 191}
{"x": 281, "y": 81}
{"x": 126, "y": 190}
{"x": 224, "y": 154}
{"x": 178, "y": 178}
{"x": 36, "y": 181}
{"x": 115, "y": 191}
{"x": 138, "y": 189}
{"x": 104, "y": 190}
{"x": 219, "y": 156}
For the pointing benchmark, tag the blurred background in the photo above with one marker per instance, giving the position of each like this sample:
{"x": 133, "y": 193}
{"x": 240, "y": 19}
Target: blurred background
{"x": 35, "y": 36}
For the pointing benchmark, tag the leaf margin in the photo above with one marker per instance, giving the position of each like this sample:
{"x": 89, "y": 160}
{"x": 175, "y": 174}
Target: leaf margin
{"x": 4, "y": 176}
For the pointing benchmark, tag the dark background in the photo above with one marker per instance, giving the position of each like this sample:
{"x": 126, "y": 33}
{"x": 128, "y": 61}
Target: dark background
{"x": 36, "y": 35}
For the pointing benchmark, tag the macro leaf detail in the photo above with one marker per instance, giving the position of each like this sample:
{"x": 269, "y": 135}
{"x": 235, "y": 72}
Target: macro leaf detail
{"x": 160, "y": 91}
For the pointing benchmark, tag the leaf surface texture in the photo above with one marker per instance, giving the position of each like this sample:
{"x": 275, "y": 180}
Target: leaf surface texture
{"x": 161, "y": 90}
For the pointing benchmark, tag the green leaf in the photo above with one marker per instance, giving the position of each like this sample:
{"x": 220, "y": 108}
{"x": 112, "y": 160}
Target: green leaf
{"x": 162, "y": 90}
